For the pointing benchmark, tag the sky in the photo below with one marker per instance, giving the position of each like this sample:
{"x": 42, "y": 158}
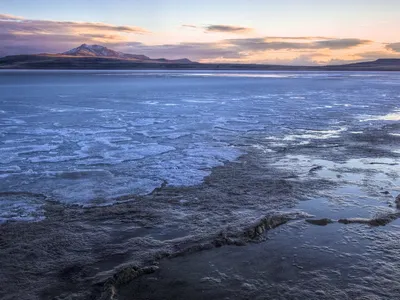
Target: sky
{"x": 298, "y": 32}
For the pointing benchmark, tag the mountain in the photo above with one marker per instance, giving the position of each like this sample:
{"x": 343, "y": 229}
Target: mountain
{"x": 89, "y": 57}
{"x": 85, "y": 50}
{"x": 100, "y": 51}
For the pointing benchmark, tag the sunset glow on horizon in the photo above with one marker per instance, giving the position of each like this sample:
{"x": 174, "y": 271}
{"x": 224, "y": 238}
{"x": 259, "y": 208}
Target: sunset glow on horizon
{"x": 239, "y": 31}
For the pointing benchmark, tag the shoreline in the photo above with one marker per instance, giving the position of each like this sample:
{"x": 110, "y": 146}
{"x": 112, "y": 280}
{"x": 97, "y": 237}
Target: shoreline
{"x": 83, "y": 62}
{"x": 329, "y": 70}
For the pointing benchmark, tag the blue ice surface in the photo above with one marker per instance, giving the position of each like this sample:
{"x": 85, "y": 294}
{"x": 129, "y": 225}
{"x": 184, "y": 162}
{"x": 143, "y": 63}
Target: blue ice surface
{"x": 87, "y": 137}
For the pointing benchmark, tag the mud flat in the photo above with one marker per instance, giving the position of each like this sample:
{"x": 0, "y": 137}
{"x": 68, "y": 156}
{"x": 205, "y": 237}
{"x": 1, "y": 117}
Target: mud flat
{"x": 352, "y": 253}
{"x": 241, "y": 233}
{"x": 91, "y": 251}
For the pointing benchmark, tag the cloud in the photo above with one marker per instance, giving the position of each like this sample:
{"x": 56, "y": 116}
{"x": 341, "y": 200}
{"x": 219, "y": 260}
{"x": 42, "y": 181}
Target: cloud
{"x": 228, "y": 29}
{"x": 239, "y": 49}
{"x": 5, "y": 17}
{"x": 194, "y": 51}
{"x": 20, "y": 35}
{"x": 310, "y": 59}
{"x": 189, "y": 26}
{"x": 221, "y": 28}
{"x": 306, "y": 38}
{"x": 23, "y": 36}
{"x": 263, "y": 44}
{"x": 393, "y": 47}
{"x": 340, "y": 43}
{"x": 107, "y": 37}
{"x": 11, "y": 23}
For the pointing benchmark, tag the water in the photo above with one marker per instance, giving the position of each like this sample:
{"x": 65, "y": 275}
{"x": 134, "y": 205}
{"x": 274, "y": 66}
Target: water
{"x": 90, "y": 137}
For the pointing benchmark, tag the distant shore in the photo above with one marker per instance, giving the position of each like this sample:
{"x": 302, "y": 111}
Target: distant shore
{"x": 51, "y": 62}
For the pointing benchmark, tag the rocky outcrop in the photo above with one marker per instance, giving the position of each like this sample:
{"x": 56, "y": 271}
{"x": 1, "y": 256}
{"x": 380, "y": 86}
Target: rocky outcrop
{"x": 123, "y": 276}
{"x": 378, "y": 221}
{"x": 108, "y": 289}
{"x": 397, "y": 201}
{"x": 320, "y": 222}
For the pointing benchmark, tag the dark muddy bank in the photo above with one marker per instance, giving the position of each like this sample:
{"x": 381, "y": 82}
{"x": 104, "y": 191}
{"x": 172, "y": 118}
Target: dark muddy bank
{"x": 89, "y": 252}
{"x": 178, "y": 243}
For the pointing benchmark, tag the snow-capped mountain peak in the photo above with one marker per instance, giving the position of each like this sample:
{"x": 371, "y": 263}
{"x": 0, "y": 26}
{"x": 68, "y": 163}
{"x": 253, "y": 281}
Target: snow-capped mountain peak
{"x": 86, "y": 50}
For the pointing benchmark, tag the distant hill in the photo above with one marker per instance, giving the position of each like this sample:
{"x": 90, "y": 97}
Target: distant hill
{"x": 99, "y": 57}
{"x": 383, "y": 64}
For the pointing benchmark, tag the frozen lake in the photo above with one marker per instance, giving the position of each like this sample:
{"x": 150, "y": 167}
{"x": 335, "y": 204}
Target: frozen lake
{"x": 92, "y": 137}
